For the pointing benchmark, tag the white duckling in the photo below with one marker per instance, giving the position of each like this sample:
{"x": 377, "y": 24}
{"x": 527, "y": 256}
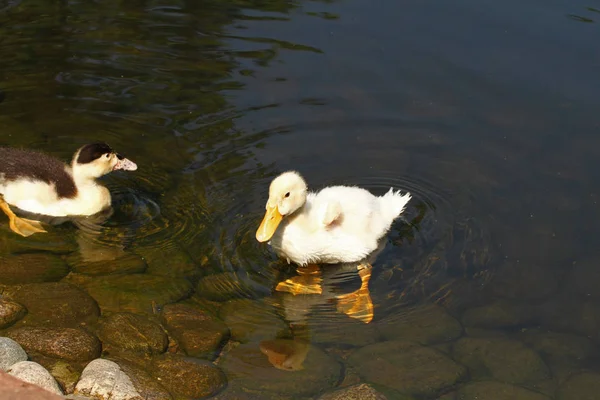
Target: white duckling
{"x": 336, "y": 224}
{"x": 41, "y": 184}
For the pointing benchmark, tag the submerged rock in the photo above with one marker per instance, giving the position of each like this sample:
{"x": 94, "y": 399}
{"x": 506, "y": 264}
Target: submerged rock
{"x": 198, "y": 332}
{"x": 31, "y": 268}
{"x": 583, "y": 386}
{"x": 361, "y": 391}
{"x": 502, "y": 359}
{"x": 10, "y": 353}
{"x": 407, "y": 367}
{"x": 226, "y": 286}
{"x": 251, "y": 369}
{"x": 65, "y": 374}
{"x": 10, "y": 312}
{"x": 560, "y": 348}
{"x": 63, "y": 343}
{"x": 128, "y": 264}
{"x": 188, "y": 376}
{"x": 425, "y": 324}
{"x": 491, "y": 390}
{"x": 251, "y": 320}
{"x": 35, "y": 374}
{"x": 137, "y": 293}
{"x": 147, "y": 386}
{"x": 55, "y": 304}
{"x": 169, "y": 261}
{"x": 104, "y": 379}
{"x": 132, "y": 332}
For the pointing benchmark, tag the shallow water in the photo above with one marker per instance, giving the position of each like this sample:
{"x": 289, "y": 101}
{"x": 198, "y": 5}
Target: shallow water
{"x": 487, "y": 112}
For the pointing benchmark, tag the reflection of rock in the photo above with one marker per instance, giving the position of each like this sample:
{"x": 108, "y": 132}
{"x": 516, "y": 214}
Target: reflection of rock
{"x": 31, "y": 268}
{"x": 56, "y": 304}
{"x": 136, "y": 293}
{"x": 491, "y": 390}
{"x": 502, "y": 359}
{"x": 406, "y": 367}
{"x": 10, "y": 353}
{"x": 35, "y": 374}
{"x": 424, "y": 324}
{"x": 188, "y": 376}
{"x": 199, "y": 333}
{"x": 355, "y": 392}
{"x": 499, "y": 314}
{"x": 285, "y": 354}
{"x": 104, "y": 379}
{"x": 64, "y": 343}
{"x": 251, "y": 320}
{"x": 584, "y": 386}
{"x": 132, "y": 332}
{"x": 250, "y": 369}
{"x": 10, "y": 312}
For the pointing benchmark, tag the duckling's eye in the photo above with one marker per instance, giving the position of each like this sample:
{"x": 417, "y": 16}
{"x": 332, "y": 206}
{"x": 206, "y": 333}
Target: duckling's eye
{"x": 287, "y": 194}
{"x": 107, "y": 155}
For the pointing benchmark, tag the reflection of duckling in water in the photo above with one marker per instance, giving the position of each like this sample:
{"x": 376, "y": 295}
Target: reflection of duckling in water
{"x": 339, "y": 224}
{"x": 286, "y": 354}
{"x": 38, "y": 183}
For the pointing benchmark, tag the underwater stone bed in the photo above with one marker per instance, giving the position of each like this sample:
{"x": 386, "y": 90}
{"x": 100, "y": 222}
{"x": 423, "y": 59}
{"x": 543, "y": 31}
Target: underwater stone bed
{"x": 145, "y": 336}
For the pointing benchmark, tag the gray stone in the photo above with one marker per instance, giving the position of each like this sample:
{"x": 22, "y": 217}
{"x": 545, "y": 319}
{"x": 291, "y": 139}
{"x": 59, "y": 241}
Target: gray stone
{"x": 583, "y": 386}
{"x": 491, "y": 390}
{"x": 407, "y": 367}
{"x": 254, "y": 368}
{"x": 132, "y": 332}
{"x": 361, "y": 391}
{"x": 104, "y": 379}
{"x": 10, "y": 312}
{"x": 197, "y": 331}
{"x": 252, "y": 320}
{"x": 147, "y": 386}
{"x": 10, "y": 353}
{"x": 502, "y": 359}
{"x": 425, "y": 324}
{"x": 35, "y": 374}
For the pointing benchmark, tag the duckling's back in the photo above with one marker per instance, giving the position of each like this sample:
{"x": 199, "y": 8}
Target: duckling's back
{"x": 18, "y": 164}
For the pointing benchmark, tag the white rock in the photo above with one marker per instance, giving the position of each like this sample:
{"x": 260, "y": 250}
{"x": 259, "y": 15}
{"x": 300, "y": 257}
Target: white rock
{"x": 104, "y": 379}
{"x": 10, "y": 353}
{"x": 35, "y": 374}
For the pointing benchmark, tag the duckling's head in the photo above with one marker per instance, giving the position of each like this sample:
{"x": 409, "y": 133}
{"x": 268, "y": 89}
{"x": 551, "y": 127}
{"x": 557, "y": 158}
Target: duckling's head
{"x": 97, "y": 159}
{"x": 287, "y": 194}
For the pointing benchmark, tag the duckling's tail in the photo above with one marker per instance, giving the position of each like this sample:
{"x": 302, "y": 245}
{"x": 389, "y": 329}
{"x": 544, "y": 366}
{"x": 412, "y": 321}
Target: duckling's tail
{"x": 393, "y": 204}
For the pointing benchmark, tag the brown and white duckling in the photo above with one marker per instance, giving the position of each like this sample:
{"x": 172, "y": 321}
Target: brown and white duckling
{"x": 41, "y": 184}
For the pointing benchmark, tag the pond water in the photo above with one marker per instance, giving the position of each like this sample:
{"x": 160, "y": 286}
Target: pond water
{"x": 487, "y": 112}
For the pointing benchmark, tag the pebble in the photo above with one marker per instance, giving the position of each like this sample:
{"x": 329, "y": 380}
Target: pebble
{"x": 10, "y": 353}
{"x": 35, "y": 374}
{"x": 104, "y": 379}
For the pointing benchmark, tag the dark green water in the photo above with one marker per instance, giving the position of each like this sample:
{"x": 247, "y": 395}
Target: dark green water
{"x": 486, "y": 111}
